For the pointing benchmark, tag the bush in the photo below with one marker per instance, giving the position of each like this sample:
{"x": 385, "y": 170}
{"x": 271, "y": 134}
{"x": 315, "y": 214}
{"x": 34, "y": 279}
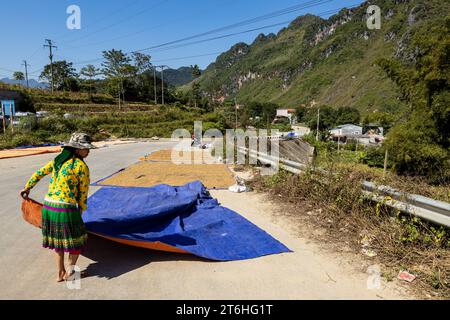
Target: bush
{"x": 28, "y": 123}
{"x": 414, "y": 149}
{"x": 373, "y": 157}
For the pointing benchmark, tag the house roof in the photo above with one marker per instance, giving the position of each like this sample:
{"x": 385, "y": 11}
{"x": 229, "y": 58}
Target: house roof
{"x": 348, "y": 125}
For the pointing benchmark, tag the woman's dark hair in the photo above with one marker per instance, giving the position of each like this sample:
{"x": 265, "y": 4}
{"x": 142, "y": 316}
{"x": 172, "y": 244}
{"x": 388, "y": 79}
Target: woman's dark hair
{"x": 67, "y": 154}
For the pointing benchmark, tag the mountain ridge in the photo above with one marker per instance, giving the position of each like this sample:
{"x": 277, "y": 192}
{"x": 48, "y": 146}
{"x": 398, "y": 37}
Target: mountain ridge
{"x": 322, "y": 61}
{"x": 31, "y": 82}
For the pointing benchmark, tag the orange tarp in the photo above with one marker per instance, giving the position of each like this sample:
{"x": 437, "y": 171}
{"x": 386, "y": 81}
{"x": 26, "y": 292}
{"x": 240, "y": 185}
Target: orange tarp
{"x": 14, "y": 153}
{"x": 32, "y": 213}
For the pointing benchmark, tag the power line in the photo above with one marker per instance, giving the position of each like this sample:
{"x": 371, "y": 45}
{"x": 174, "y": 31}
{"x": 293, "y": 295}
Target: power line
{"x": 8, "y": 70}
{"x": 189, "y": 57}
{"x": 135, "y": 33}
{"x": 243, "y": 23}
{"x": 222, "y": 36}
{"x": 237, "y": 33}
{"x": 119, "y": 22}
{"x": 196, "y": 42}
{"x": 285, "y": 11}
{"x": 215, "y": 38}
{"x": 161, "y": 48}
{"x": 120, "y": 10}
{"x": 271, "y": 15}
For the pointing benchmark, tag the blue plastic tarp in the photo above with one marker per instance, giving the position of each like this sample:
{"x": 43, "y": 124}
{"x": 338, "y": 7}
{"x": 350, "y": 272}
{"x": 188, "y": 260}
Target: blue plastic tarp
{"x": 186, "y": 217}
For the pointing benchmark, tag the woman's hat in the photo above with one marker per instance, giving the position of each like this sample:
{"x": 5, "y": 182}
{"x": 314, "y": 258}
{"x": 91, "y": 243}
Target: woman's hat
{"x": 80, "y": 141}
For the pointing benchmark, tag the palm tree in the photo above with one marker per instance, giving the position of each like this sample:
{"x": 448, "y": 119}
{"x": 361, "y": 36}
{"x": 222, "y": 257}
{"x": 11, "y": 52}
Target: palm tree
{"x": 19, "y": 76}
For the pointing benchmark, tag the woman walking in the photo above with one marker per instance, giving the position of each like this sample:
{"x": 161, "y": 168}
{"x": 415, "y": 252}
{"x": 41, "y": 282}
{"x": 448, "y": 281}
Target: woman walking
{"x": 63, "y": 229}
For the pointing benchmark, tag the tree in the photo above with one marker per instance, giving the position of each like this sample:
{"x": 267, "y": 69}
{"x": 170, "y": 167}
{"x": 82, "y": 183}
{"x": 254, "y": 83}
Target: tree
{"x": 142, "y": 62}
{"x": 265, "y": 112}
{"x": 195, "y": 91}
{"x": 419, "y": 145}
{"x": 64, "y": 75}
{"x": 328, "y": 118}
{"x": 19, "y": 76}
{"x": 196, "y": 72}
{"x": 347, "y": 115}
{"x": 89, "y": 71}
{"x": 117, "y": 68}
{"x": 144, "y": 76}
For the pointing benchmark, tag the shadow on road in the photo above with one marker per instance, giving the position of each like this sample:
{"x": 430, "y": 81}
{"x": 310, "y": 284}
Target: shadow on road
{"x": 113, "y": 259}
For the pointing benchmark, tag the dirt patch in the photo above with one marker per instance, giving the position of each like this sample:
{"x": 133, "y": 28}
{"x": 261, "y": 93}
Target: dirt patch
{"x": 147, "y": 174}
{"x": 333, "y": 212}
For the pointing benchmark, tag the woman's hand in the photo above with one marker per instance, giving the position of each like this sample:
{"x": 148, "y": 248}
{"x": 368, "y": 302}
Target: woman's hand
{"x": 25, "y": 193}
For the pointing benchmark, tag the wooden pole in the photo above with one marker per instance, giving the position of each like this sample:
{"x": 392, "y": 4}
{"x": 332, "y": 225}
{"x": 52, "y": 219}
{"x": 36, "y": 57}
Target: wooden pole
{"x": 235, "y": 114}
{"x": 162, "y": 85}
{"x": 11, "y": 117}
{"x": 154, "y": 84}
{"x": 4, "y": 120}
{"x": 385, "y": 163}
{"x": 318, "y": 122}
{"x": 118, "y": 89}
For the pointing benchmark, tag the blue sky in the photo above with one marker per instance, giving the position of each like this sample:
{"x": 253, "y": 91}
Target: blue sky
{"x": 136, "y": 24}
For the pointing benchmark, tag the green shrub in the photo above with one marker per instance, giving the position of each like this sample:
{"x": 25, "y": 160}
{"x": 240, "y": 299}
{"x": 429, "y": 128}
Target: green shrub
{"x": 372, "y": 156}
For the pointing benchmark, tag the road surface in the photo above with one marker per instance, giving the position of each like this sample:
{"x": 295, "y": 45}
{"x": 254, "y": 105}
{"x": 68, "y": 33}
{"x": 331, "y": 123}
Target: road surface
{"x": 121, "y": 272}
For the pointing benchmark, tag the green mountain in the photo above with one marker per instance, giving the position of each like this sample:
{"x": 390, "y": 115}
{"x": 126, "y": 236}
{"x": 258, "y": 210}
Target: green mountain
{"x": 326, "y": 62}
{"x": 178, "y": 77}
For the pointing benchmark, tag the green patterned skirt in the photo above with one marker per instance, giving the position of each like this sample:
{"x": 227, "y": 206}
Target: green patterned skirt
{"x": 63, "y": 228}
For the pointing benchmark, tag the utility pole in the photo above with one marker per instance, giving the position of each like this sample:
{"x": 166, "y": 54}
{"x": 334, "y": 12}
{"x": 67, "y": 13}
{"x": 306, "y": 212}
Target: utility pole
{"x": 50, "y": 46}
{"x": 385, "y": 163}
{"x": 162, "y": 82}
{"x": 11, "y": 118}
{"x": 154, "y": 83}
{"x": 118, "y": 90}
{"x": 3, "y": 118}
{"x": 318, "y": 121}
{"x": 26, "y": 71}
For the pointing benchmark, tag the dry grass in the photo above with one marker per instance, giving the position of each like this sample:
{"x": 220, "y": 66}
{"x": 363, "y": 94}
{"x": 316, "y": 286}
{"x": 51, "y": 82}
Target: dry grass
{"x": 335, "y": 203}
{"x": 413, "y": 185}
{"x": 147, "y": 174}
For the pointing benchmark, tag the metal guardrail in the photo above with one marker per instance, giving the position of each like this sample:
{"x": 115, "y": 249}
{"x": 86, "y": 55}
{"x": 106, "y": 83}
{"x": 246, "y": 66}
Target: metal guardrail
{"x": 432, "y": 210}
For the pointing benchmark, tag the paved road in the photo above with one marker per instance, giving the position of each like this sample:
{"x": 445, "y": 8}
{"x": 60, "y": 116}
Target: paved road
{"x": 122, "y": 272}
